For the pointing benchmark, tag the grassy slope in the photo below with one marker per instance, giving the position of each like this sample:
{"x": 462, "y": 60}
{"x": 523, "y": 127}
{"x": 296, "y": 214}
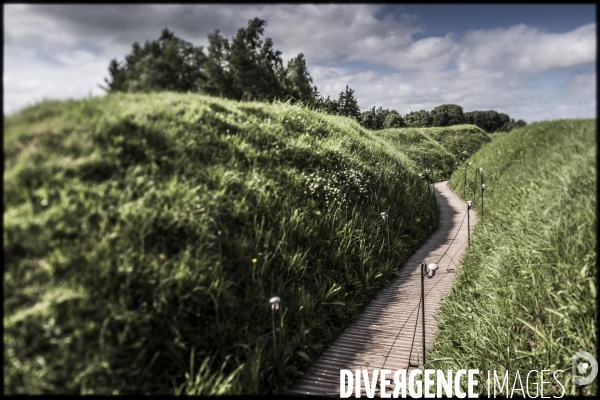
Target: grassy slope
{"x": 438, "y": 148}
{"x": 144, "y": 231}
{"x": 525, "y": 299}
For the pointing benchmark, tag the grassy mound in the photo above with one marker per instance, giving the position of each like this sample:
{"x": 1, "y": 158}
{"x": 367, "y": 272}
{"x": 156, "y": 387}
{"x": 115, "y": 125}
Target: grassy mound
{"x": 525, "y": 299}
{"x": 438, "y": 148}
{"x": 144, "y": 235}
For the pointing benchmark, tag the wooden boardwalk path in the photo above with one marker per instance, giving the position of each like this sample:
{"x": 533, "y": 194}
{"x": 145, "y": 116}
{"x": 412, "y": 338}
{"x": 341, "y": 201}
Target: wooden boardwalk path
{"x": 381, "y": 337}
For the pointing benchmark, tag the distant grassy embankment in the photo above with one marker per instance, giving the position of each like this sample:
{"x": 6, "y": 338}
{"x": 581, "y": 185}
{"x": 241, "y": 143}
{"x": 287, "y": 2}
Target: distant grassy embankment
{"x": 145, "y": 231}
{"x": 525, "y": 299}
{"x": 438, "y": 148}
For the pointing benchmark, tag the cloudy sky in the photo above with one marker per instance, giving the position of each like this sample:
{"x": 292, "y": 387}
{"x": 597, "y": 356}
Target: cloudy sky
{"x": 533, "y": 62}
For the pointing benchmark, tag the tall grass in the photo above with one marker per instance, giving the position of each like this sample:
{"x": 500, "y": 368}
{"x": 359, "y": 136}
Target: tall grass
{"x": 145, "y": 233}
{"x": 437, "y": 148}
{"x": 525, "y": 299}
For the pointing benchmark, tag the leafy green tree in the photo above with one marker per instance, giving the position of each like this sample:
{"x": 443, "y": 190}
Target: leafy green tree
{"x": 469, "y": 118}
{"x": 492, "y": 121}
{"x": 348, "y": 104}
{"x": 254, "y": 64}
{"x": 218, "y": 81}
{"x": 367, "y": 119}
{"x": 117, "y": 80}
{"x": 380, "y": 115}
{"x": 245, "y": 68}
{"x": 168, "y": 63}
{"x": 447, "y": 115}
{"x": 393, "y": 120}
{"x": 327, "y": 106}
{"x": 418, "y": 119}
{"x": 381, "y": 118}
{"x": 297, "y": 81}
{"x": 512, "y": 124}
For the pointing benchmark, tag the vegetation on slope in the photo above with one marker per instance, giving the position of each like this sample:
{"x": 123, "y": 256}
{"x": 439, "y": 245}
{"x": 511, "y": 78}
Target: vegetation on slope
{"x": 145, "y": 233}
{"x": 437, "y": 148}
{"x": 525, "y": 299}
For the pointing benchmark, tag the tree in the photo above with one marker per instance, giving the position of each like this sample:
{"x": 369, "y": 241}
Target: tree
{"x": 297, "y": 81}
{"x": 418, "y": 119}
{"x": 254, "y": 64}
{"x": 168, "y": 63}
{"x": 381, "y": 118}
{"x": 380, "y": 115}
{"x": 117, "y": 78}
{"x": 512, "y": 124}
{"x": 348, "y": 104}
{"x": 468, "y": 116}
{"x": 447, "y": 115}
{"x": 328, "y": 106}
{"x": 492, "y": 121}
{"x": 393, "y": 120}
{"x": 367, "y": 119}
{"x": 218, "y": 78}
{"x": 245, "y": 68}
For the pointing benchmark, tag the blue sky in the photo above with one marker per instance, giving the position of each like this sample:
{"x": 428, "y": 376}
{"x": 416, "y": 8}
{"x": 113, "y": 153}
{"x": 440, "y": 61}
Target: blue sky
{"x": 440, "y": 19}
{"x": 533, "y": 62}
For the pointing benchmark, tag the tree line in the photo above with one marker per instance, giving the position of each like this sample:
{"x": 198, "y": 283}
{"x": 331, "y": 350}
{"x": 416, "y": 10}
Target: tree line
{"x": 443, "y": 115}
{"x": 248, "y": 68}
{"x": 243, "y": 68}
{"x": 452, "y": 114}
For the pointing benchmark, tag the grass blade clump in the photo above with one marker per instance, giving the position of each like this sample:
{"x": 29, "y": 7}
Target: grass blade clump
{"x": 525, "y": 299}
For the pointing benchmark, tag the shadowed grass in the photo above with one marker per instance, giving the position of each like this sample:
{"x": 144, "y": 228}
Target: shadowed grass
{"x": 145, "y": 233}
{"x": 525, "y": 299}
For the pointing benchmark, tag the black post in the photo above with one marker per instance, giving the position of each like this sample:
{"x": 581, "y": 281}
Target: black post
{"x": 274, "y": 307}
{"x": 465, "y": 187}
{"x": 274, "y": 336}
{"x": 469, "y": 224}
{"x": 482, "y": 190}
{"x": 423, "y": 265}
{"x": 388, "y": 232}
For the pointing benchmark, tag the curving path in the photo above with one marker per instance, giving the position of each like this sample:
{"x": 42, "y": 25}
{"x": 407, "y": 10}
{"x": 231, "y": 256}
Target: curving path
{"x": 381, "y": 337}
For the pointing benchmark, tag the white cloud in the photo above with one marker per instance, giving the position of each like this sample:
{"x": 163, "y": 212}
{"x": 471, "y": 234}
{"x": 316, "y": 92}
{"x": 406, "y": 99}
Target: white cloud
{"x": 27, "y": 79}
{"x": 63, "y": 51}
{"x": 327, "y": 31}
{"x": 526, "y": 50}
{"x": 324, "y": 73}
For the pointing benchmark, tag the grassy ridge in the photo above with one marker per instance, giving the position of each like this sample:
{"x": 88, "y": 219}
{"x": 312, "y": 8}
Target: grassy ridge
{"x": 144, "y": 235}
{"x": 438, "y": 148}
{"x": 525, "y": 299}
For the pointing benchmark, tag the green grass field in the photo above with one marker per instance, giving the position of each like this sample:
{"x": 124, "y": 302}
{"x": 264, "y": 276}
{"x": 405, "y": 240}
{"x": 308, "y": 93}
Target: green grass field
{"x": 144, "y": 235}
{"x": 525, "y": 298}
